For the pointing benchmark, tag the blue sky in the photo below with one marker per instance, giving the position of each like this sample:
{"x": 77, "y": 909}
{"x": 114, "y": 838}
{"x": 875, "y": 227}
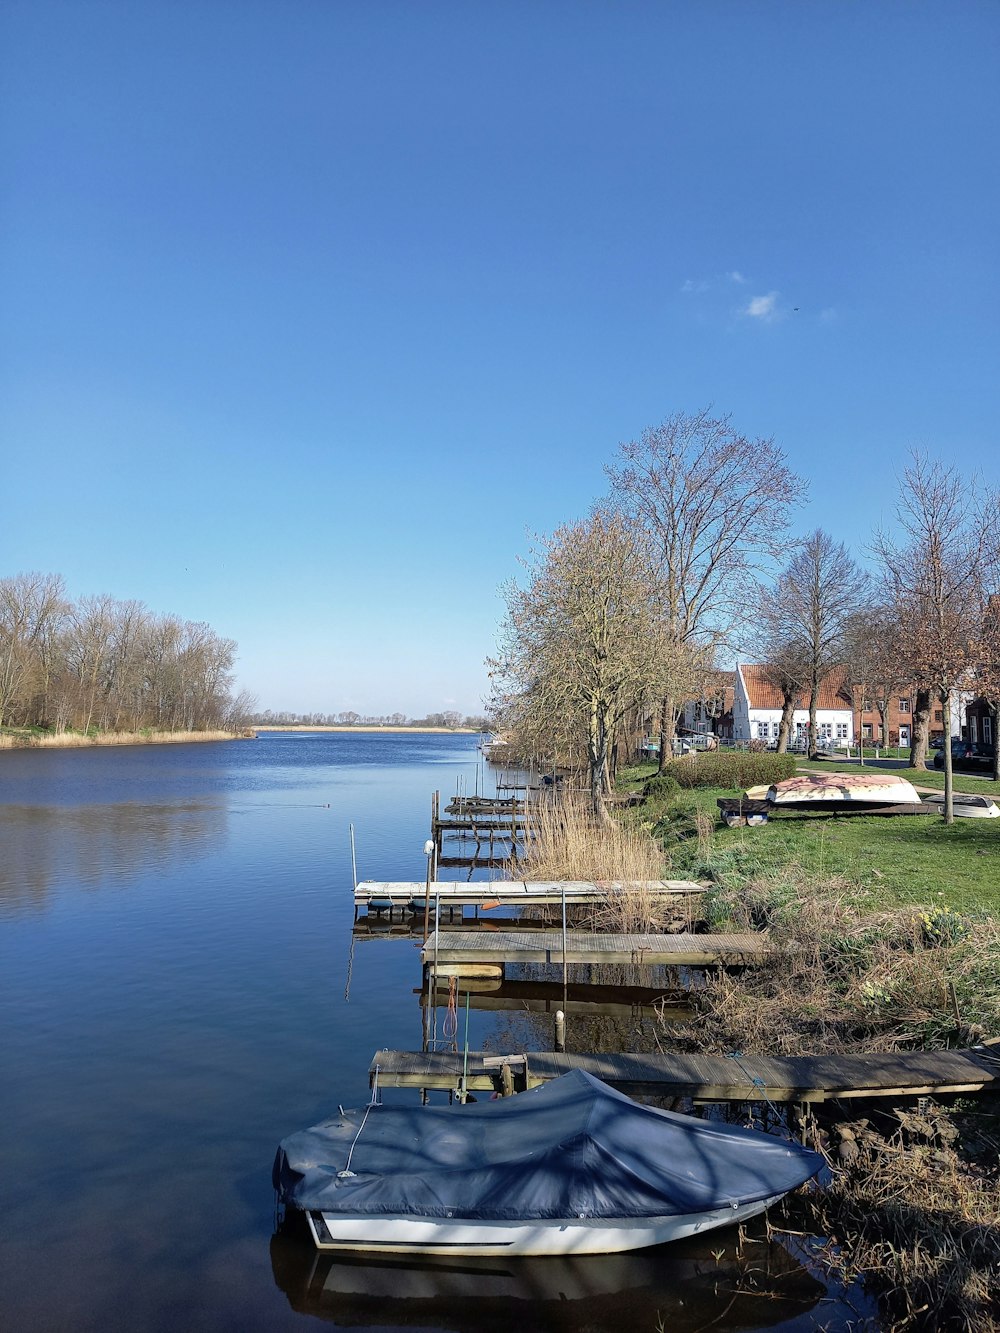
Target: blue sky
{"x": 311, "y": 312}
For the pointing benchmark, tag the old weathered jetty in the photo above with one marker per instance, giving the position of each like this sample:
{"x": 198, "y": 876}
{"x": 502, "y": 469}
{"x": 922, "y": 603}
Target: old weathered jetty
{"x": 456, "y": 950}
{"x": 705, "y": 1078}
{"x": 379, "y": 895}
{"x": 546, "y": 997}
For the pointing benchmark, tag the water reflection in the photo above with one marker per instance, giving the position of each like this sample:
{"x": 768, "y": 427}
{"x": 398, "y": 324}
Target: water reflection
{"x": 684, "y": 1286}
{"x": 94, "y": 845}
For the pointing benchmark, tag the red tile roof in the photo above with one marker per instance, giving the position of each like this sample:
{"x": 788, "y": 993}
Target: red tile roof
{"x": 834, "y": 691}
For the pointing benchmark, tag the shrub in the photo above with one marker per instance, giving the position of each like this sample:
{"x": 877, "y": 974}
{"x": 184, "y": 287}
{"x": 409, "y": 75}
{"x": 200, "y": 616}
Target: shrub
{"x": 731, "y": 769}
{"x": 661, "y": 789}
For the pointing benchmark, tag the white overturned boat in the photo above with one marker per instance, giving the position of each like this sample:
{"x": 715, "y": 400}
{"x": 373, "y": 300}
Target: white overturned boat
{"x": 843, "y": 790}
{"x": 572, "y": 1167}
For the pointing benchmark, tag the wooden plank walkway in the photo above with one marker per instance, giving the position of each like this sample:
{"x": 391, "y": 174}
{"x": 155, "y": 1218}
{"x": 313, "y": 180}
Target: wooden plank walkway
{"x": 704, "y": 1078}
{"x": 516, "y": 892}
{"x": 540, "y": 997}
{"x": 458, "y": 947}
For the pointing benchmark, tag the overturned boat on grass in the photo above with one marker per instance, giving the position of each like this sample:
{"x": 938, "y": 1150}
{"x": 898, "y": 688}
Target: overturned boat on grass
{"x": 846, "y": 793}
{"x": 571, "y": 1167}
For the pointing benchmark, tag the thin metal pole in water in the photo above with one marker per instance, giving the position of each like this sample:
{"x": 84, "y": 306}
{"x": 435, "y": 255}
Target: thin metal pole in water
{"x": 465, "y": 1061}
{"x": 565, "y": 981}
{"x": 354, "y": 859}
{"x": 434, "y": 982}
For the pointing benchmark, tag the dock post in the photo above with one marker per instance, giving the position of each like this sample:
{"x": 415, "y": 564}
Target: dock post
{"x": 560, "y": 1034}
{"x": 429, "y": 853}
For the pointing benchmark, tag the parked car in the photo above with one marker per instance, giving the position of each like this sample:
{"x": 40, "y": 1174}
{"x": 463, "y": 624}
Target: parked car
{"x": 968, "y": 756}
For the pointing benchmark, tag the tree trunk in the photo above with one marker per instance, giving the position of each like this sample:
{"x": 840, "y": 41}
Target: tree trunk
{"x": 994, "y": 718}
{"x": 949, "y": 778}
{"x": 921, "y": 727}
{"x": 785, "y": 725}
{"x": 665, "y": 707}
{"x": 883, "y": 712}
{"x": 813, "y": 696}
{"x": 597, "y": 760}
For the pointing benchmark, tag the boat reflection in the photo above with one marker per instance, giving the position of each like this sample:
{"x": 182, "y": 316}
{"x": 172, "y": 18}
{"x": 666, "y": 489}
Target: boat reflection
{"x": 684, "y": 1286}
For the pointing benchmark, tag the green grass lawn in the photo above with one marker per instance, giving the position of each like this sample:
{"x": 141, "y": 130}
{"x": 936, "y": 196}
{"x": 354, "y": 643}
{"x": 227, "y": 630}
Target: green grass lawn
{"x": 884, "y": 861}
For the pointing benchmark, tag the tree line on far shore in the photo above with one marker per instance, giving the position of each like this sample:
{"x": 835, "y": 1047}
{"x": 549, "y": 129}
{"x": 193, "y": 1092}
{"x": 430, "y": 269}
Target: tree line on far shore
{"x": 451, "y": 720}
{"x": 99, "y": 664}
{"x": 691, "y": 560}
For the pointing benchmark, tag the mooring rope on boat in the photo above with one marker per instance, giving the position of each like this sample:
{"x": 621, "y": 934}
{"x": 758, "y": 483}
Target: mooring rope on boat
{"x": 347, "y": 1172}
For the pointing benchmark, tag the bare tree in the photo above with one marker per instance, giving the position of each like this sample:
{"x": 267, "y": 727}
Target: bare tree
{"x": 31, "y": 605}
{"x": 581, "y": 643}
{"x": 785, "y": 662}
{"x": 714, "y": 507}
{"x": 873, "y": 651}
{"x": 817, "y": 593}
{"x": 938, "y": 568}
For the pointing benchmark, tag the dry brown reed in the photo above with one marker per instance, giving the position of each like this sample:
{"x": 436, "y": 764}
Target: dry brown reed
{"x": 844, "y": 979}
{"x": 915, "y": 1219}
{"x": 905, "y": 1210}
{"x": 77, "y": 740}
{"x": 566, "y": 842}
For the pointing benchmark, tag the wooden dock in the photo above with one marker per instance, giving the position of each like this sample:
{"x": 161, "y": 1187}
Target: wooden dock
{"x": 541, "y": 997}
{"x": 704, "y": 1078}
{"x": 457, "y": 949}
{"x": 379, "y": 895}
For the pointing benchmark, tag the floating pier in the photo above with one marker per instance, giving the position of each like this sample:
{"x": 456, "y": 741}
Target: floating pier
{"x": 380, "y": 896}
{"x": 454, "y": 951}
{"x": 546, "y": 997}
{"x": 704, "y": 1078}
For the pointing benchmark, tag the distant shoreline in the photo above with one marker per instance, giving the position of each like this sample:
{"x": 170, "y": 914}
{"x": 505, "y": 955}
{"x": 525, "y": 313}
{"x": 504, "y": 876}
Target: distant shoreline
{"x": 430, "y": 731}
{"x": 73, "y": 740}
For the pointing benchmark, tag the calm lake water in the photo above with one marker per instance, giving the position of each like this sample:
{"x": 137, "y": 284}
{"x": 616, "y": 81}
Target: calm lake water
{"x": 179, "y": 991}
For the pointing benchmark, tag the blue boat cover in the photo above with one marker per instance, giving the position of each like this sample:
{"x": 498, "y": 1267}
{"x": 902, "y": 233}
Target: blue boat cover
{"x": 571, "y": 1148}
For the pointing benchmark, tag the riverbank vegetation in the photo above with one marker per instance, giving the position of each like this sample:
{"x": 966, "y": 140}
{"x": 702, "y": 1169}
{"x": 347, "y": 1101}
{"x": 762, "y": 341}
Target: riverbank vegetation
{"x": 100, "y": 668}
{"x": 887, "y": 937}
{"x": 24, "y": 739}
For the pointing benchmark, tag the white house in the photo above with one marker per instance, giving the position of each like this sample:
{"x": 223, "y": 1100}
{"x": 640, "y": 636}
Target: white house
{"x": 757, "y": 709}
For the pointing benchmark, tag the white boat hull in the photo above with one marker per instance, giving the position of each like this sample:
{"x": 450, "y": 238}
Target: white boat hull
{"x": 402, "y": 1234}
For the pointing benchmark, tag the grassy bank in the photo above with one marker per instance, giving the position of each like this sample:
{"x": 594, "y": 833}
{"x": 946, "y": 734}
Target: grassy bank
{"x": 887, "y": 936}
{"x": 47, "y": 740}
{"x": 879, "y": 862}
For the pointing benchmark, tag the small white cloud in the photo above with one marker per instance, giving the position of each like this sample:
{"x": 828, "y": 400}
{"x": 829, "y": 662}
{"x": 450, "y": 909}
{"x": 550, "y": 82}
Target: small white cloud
{"x": 692, "y": 286}
{"x": 763, "y": 307}
{"x": 736, "y": 276}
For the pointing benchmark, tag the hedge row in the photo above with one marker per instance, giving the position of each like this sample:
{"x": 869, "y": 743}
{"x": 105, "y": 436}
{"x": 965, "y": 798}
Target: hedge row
{"x": 738, "y": 768}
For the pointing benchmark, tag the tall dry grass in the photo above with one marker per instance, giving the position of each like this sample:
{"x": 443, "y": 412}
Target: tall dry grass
{"x": 76, "y": 740}
{"x": 565, "y": 842}
{"x": 916, "y": 1217}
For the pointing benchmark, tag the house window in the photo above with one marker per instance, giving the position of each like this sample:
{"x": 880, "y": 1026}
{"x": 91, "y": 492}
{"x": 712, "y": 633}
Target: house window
{"x": 866, "y": 730}
{"x": 972, "y": 729}
{"x": 987, "y": 730}
{"x": 938, "y": 715}
{"x": 841, "y": 731}
{"x": 826, "y": 728}
{"x": 762, "y": 731}
{"x": 904, "y": 705}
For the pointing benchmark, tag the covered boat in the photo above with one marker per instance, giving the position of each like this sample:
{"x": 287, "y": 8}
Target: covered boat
{"x": 571, "y": 1167}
